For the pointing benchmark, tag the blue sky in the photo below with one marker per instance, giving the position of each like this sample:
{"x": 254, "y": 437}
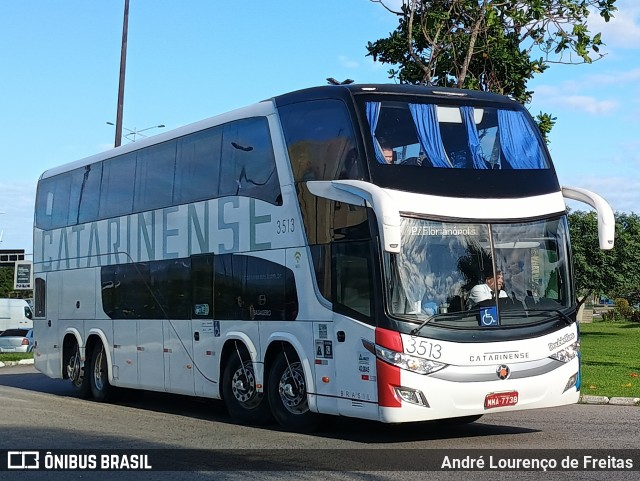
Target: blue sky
{"x": 193, "y": 59}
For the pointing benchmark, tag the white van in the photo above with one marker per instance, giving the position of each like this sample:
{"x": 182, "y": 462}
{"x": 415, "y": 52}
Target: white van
{"x": 15, "y": 314}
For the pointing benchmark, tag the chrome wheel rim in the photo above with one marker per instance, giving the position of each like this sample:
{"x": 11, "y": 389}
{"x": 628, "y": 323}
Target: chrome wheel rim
{"x": 243, "y": 386}
{"x": 74, "y": 371}
{"x": 293, "y": 389}
{"x": 98, "y": 371}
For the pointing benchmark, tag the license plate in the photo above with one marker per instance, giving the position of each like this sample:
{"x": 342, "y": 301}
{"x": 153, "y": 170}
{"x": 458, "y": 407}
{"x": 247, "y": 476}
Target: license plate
{"x": 501, "y": 399}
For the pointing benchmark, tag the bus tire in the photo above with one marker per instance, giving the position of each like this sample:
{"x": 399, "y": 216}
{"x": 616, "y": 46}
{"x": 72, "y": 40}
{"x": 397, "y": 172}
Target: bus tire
{"x": 240, "y": 394}
{"x": 101, "y": 389}
{"x": 77, "y": 373}
{"x": 287, "y": 389}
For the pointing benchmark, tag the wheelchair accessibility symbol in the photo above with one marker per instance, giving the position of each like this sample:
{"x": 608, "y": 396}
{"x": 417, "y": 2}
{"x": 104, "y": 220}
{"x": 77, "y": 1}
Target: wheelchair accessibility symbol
{"x": 489, "y": 317}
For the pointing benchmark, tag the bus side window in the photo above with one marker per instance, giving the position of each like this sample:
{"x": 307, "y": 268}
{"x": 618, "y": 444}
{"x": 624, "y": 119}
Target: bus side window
{"x": 248, "y": 166}
{"x": 198, "y": 166}
{"x": 202, "y": 286}
{"x": 352, "y": 275}
{"x": 252, "y": 288}
{"x": 320, "y": 141}
{"x": 40, "y": 297}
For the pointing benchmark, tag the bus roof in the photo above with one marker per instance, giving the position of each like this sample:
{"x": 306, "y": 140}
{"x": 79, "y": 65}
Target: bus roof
{"x": 267, "y": 107}
{"x": 328, "y": 91}
{"x": 262, "y": 108}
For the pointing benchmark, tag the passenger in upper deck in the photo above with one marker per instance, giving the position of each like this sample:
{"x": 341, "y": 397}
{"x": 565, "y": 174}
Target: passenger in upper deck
{"x": 389, "y": 155}
{"x": 485, "y": 291}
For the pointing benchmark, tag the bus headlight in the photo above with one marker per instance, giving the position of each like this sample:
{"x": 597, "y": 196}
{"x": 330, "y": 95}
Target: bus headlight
{"x": 404, "y": 361}
{"x": 568, "y": 353}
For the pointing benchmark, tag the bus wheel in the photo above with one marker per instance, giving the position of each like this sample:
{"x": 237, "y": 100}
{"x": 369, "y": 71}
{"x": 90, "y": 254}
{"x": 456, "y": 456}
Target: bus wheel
{"x": 287, "y": 390}
{"x": 239, "y": 391}
{"x": 100, "y": 387}
{"x": 76, "y": 373}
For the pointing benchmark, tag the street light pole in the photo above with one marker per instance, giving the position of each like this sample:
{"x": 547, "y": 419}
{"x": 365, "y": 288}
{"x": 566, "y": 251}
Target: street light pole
{"x": 123, "y": 65}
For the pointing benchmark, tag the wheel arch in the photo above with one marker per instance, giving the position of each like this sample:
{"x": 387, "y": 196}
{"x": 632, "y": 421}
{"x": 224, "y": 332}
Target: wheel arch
{"x": 94, "y": 339}
{"x": 70, "y": 339}
{"x": 244, "y": 343}
{"x": 282, "y": 340}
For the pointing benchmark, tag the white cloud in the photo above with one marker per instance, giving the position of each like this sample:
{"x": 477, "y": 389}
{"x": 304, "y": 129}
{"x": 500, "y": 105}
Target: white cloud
{"x": 623, "y": 30}
{"x": 620, "y": 192}
{"x": 348, "y": 63}
{"x": 614, "y": 89}
{"x": 591, "y": 105}
{"x": 566, "y": 95}
{"x": 612, "y": 78}
{"x": 393, "y": 5}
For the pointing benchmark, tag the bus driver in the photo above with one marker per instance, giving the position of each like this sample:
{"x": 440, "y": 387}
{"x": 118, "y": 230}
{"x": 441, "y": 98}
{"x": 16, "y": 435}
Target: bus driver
{"x": 485, "y": 291}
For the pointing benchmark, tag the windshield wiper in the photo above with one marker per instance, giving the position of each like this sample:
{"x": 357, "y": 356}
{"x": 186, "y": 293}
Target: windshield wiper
{"x": 415, "y": 331}
{"x": 564, "y": 317}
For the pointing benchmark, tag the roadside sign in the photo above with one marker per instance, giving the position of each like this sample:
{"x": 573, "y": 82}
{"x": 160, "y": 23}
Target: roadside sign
{"x": 23, "y": 276}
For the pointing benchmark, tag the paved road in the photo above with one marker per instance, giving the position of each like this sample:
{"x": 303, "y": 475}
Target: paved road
{"x": 40, "y": 413}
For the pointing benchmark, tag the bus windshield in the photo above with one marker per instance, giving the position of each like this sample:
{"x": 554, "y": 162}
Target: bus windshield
{"x": 457, "y": 274}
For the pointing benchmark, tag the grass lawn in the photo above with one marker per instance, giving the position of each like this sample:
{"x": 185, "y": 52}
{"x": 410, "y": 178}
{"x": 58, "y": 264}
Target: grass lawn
{"x": 610, "y": 359}
{"x": 15, "y": 356}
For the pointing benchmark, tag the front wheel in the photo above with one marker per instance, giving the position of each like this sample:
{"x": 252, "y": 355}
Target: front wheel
{"x": 99, "y": 376}
{"x": 287, "y": 389}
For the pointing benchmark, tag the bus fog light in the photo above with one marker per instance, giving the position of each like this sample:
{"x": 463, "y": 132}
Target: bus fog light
{"x": 412, "y": 396}
{"x": 571, "y": 382}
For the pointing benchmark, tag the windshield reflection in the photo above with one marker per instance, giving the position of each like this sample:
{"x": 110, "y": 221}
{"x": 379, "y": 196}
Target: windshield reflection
{"x": 487, "y": 275}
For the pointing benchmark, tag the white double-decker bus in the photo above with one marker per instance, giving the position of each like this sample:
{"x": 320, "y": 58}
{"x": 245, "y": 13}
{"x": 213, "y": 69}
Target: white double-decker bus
{"x": 316, "y": 253}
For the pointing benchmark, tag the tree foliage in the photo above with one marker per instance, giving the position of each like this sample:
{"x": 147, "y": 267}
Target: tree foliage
{"x": 489, "y": 45}
{"x": 6, "y": 281}
{"x": 627, "y": 249}
{"x": 614, "y": 273}
{"x": 6, "y": 285}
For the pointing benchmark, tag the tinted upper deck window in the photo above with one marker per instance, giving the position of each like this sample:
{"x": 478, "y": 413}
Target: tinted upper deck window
{"x": 321, "y": 141}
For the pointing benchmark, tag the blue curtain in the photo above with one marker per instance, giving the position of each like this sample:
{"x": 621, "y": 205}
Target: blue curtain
{"x": 479, "y": 161}
{"x": 425, "y": 116}
{"x": 518, "y": 141}
{"x": 373, "y": 112}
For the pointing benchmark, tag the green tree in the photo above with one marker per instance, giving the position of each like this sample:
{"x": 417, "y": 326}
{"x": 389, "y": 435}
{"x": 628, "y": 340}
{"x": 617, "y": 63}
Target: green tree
{"x": 591, "y": 264}
{"x": 6, "y": 285}
{"x": 6, "y": 281}
{"x": 614, "y": 273}
{"x": 489, "y": 45}
{"x": 627, "y": 263}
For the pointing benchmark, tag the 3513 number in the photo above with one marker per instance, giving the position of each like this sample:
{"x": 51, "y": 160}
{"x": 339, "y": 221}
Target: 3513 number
{"x": 422, "y": 347}
{"x": 285, "y": 226}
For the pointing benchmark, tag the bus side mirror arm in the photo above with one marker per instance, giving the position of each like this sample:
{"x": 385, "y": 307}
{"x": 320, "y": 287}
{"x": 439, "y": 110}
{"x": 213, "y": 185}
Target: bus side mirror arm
{"x": 606, "y": 219}
{"x": 358, "y": 192}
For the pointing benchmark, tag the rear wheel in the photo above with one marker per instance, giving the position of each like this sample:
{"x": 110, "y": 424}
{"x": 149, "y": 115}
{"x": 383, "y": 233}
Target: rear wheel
{"x": 76, "y": 373}
{"x": 239, "y": 391}
{"x": 99, "y": 377}
{"x": 287, "y": 390}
